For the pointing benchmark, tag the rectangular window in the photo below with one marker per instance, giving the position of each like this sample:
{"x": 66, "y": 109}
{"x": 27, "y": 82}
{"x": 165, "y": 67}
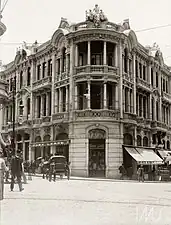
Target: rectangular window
{"x": 58, "y": 66}
{"x": 152, "y": 83}
{"x": 144, "y": 72}
{"x": 21, "y": 79}
{"x": 136, "y": 67}
{"x": 44, "y": 70}
{"x": 164, "y": 89}
{"x": 157, "y": 81}
{"x": 38, "y": 71}
{"x": 50, "y": 67}
{"x": 166, "y": 86}
{"x": 140, "y": 70}
{"x": 81, "y": 60}
{"x": 28, "y": 76}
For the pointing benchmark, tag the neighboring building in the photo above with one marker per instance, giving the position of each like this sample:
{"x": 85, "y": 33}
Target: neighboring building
{"x": 87, "y": 92}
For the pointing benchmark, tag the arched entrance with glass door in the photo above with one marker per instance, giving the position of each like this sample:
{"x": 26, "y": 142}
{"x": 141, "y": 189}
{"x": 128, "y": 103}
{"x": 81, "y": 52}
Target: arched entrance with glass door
{"x": 62, "y": 148}
{"x": 97, "y": 153}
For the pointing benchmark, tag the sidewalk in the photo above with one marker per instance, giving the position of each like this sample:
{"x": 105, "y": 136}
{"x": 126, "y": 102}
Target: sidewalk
{"x": 103, "y": 179}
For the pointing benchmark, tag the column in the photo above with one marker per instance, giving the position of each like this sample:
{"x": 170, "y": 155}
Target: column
{"x": 57, "y": 100}
{"x": 142, "y": 108}
{"x": 53, "y": 83}
{"x": 67, "y": 60}
{"x": 89, "y": 95}
{"x": 116, "y": 55}
{"x": 71, "y": 85}
{"x": 121, "y": 79}
{"x": 128, "y": 98}
{"x": 25, "y": 108}
{"x": 105, "y": 96}
{"x": 134, "y": 87}
{"x": 154, "y": 109}
{"x": 61, "y": 65}
{"x": 76, "y": 55}
{"x": 131, "y": 104}
{"x": 32, "y": 100}
{"x": 89, "y": 53}
{"x": 170, "y": 114}
{"x": 76, "y": 96}
{"x": 42, "y": 105}
{"x": 123, "y": 94}
{"x": 150, "y": 107}
{"x": 154, "y": 77}
{"x": 138, "y": 106}
{"x": 60, "y": 100}
{"x": 104, "y": 53}
{"x": 67, "y": 98}
{"x": 149, "y": 73}
{"x": 116, "y": 97}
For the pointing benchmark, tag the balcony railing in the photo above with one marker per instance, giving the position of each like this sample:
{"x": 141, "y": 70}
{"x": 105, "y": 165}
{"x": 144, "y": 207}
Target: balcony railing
{"x": 60, "y": 116}
{"x": 95, "y": 69}
{"x": 101, "y": 113}
{"x": 129, "y": 116}
{"x": 44, "y": 81}
{"x": 167, "y": 96}
{"x": 142, "y": 83}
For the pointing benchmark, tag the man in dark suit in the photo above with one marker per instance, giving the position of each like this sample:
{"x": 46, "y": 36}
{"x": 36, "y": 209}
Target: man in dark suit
{"x": 16, "y": 170}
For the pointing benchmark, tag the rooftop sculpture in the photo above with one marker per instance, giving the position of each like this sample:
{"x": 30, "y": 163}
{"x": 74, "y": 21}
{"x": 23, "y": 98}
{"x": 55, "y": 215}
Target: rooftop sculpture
{"x": 96, "y": 16}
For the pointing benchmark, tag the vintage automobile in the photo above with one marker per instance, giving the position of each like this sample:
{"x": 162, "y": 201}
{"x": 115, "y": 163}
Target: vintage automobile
{"x": 58, "y": 166}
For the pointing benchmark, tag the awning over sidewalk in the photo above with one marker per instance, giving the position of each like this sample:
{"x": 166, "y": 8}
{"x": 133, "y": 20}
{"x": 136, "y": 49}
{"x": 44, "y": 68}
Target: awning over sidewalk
{"x": 166, "y": 155}
{"x": 144, "y": 156}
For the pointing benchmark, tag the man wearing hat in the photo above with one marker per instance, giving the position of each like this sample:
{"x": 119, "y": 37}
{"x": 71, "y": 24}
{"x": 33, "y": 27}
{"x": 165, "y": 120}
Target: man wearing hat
{"x": 16, "y": 171}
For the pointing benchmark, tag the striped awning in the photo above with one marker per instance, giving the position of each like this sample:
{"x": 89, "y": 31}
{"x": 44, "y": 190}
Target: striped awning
{"x": 144, "y": 156}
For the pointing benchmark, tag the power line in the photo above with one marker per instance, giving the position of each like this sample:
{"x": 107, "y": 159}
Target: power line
{"x": 153, "y": 28}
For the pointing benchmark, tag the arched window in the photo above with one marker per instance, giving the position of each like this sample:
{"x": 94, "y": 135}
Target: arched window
{"x": 139, "y": 140}
{"x": 128, "y": 139}
{"x": 145, "y": 141}
{"x": 125, "y": 60}
{"x": 64, "y": 60}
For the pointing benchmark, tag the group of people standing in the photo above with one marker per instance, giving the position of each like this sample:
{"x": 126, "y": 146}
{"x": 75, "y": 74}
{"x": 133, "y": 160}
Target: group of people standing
{"x": 17, "y": 171}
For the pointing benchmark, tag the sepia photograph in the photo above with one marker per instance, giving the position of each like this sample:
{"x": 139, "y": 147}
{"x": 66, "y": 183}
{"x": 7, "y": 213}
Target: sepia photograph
{"x": 85, "y": 112}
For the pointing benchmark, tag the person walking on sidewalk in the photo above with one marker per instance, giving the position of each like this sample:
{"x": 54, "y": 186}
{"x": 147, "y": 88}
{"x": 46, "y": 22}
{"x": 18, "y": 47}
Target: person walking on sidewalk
{"x": 16, "y": 171}
{"x": 2, "y": 170}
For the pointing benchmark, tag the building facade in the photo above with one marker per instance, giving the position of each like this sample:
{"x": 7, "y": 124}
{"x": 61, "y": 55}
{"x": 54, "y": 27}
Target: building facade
{"x": 87, "y": 92}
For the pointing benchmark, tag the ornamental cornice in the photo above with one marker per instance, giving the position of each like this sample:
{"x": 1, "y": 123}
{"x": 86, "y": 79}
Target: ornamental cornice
{"x": 94, "y": 34}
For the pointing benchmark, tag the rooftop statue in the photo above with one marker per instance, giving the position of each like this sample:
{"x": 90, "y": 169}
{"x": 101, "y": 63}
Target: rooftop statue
{"x": 96, "y": 16}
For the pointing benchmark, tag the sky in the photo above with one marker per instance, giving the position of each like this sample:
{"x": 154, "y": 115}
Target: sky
{"x": 30, "y": 20}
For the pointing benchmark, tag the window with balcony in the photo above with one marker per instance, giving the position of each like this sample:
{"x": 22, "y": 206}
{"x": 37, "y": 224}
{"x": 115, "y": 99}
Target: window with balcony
{"x": 49, "y": 103}
{"x": 38, "y": 71}
{"x": 125, "y": 61}
{"x": 50, "y": 67}
{"x": 152, "y": 81}
{"x": 157, "y": 111}
{"x": 96, "y": 59}
{"x": 38, "y": 106}
{"x": 58, "y": 66}
{"x": 28, "y": 76}
{"x": 81, "y": 63}
{"x": 44, "y": 70}
{"x": 28, "y": 108}
{"x": 144, "y": 72}
{"x": 164, "y": 87}
{"x": 157, "y": 80}
{"x": 64, "y": 99}
{"x": 140, "y": 70}
{"x": 21, "y": 79}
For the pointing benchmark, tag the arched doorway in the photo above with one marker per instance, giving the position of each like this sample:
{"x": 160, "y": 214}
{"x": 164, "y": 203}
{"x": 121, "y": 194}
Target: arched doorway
{"x": 97, "y": 140}
{"x": 145, "y": 141}
{"x": 37, "y": 152}
{"x": 62, "y": 148}
{"x": 46, "y": 148}
{"x": 128, "y": 140}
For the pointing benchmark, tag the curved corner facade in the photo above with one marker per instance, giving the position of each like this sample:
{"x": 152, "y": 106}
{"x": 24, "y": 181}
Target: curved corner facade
{"x": 87, "y": 92}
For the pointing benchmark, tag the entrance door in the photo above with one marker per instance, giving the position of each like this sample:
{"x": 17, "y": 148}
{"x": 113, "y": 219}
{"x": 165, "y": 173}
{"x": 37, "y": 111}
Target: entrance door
{"x": 97, "y": 157}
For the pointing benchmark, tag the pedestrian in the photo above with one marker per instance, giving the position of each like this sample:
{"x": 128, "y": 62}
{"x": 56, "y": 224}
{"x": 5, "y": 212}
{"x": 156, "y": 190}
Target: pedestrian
{"x": 140, "y": 173}
{"x": 122, "y": 170}
{"x": 16, "y": 170}
{"x": 2, "y": 170}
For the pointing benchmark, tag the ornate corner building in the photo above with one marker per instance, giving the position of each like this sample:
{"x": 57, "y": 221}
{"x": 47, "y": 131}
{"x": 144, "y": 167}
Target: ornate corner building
{"x": 87, "y": 92}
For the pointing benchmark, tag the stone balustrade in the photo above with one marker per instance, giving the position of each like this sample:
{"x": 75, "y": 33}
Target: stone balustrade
{"x": 60, "y": 116}
{"x": 43, "y": 82}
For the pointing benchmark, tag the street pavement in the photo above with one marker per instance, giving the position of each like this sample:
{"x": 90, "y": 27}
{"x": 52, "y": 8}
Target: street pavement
{"x": 87, "y": 202}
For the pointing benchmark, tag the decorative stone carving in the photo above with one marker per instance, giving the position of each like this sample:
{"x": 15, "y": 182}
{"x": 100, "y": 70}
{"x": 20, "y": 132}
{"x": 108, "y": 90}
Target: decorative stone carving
{"x": 96, "y": 17}
{"x": 47, "y": 130}
{"x": 97, "y": 134}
